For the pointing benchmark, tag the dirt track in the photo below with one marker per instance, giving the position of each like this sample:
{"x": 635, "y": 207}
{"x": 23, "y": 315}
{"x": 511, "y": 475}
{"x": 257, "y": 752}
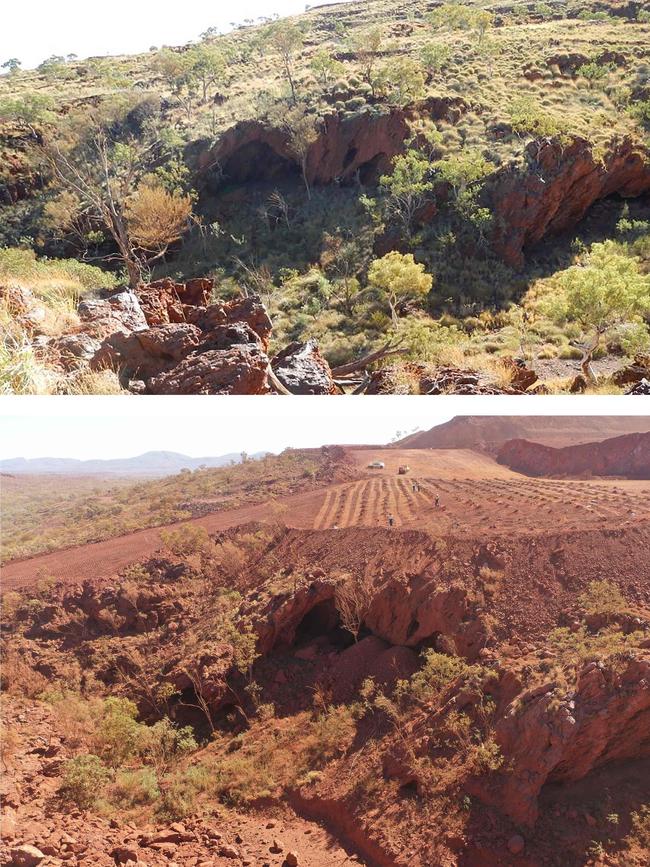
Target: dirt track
{"x": 477, "y": 498}
{"x": 438, "y": 463}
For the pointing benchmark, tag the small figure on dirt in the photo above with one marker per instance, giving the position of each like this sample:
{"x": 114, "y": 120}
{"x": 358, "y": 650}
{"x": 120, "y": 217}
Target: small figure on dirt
{"x": 391, "y": 521}
{"x": 437, "y": 502}
{"x": 335, "y": 527}
{"x": 414, "y": 487}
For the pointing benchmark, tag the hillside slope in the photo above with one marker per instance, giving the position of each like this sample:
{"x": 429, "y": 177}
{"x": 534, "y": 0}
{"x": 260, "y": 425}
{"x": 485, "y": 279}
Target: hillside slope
{"x": 419, "y": 736}
{"x": 499, "y": 145}
{"x": 489, "y": 433}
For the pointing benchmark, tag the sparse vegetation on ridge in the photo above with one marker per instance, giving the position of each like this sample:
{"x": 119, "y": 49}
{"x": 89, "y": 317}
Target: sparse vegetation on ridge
{"x": 511, "y": 76}
{"x": 43, "y": 517}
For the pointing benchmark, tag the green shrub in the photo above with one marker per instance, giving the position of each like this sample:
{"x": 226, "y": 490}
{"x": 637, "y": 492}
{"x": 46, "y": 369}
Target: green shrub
{"x": 333, "y": 730}
{"x": 84, "y": 779}
{"x": 176, "y": 802}
{"x": 641, "y": 111}
{"x": 590, "y": 15}
{"x": 164, "y": 742}
{"x": 573, "y": 647}
{"x": 356, "y": 103}
{"x": 593, "y": 71}
{"x": 602, "y": 597}
{"x": 487, "y": 756}
{"x": 570, "y": 352}
{"x": 426, "y": 339}
{"x": 528, "y": 118}
{"x": 437, "y": 673}
{"x": 118, "y": 736}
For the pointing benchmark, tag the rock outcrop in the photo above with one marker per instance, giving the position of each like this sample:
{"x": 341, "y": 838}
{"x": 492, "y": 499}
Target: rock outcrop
{"x": 427, "y": 379}
{"x": 641, "y": 388}
{"x": 633, "y": 373}
{"x": 237, "y": 370}
{"x": 557, "y": 187}
{"x": 402, "y": 613}
{"x": 551, "y": 193}
{"x": 171, "y": 338}
{"x": 164, "y": 301}
{"x": 559, "y": 740}
{"x": 302, "y": 369}
{"x": 168, "y": 338}
{"x": 121, "y": 310}
{"x": 627, "y": 456}
{"x": 362, "y": 144}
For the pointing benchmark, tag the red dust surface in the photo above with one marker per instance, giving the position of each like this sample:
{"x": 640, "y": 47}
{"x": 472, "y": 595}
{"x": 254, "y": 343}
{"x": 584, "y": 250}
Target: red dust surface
{"x": 476, "y": 497}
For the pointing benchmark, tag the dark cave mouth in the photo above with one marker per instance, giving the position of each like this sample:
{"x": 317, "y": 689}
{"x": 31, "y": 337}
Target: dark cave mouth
{"x": 255, "y": 162}
{"x": 322, "y": 622}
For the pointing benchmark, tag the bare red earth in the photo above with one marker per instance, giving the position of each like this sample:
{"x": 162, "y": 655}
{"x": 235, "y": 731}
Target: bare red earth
{"x": 476, "y": 496}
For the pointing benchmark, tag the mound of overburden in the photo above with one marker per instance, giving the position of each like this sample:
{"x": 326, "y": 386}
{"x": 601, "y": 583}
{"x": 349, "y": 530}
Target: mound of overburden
{"x": 627, "y": 456}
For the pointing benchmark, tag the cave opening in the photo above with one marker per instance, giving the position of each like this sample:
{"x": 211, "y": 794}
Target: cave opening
{"x": 430, "y": 642}
{"x": 350, "y": 157}
{"x": 556, "y": 250}
{"x": 409, "y": 790}
{"x": 255, "y": 162}
{"x": 371, "y": 170}
{"x": 323, "y": 622}
{"x": 186, "y": 710}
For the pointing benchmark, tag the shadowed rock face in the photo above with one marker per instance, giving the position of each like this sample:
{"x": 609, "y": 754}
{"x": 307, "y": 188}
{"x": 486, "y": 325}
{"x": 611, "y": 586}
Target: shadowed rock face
{"x": 364, "y": 143}
{"x": 627, "y": 456}
{"x": 558, "y": 187}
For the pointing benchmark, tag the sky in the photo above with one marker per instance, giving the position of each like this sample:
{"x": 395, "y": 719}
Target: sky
{"x": 36, "y": 30}
{"x": 116, "y": 427}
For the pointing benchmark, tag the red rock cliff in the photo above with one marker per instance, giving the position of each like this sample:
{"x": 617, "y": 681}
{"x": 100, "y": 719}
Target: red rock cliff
{"x": 627, "y": 456}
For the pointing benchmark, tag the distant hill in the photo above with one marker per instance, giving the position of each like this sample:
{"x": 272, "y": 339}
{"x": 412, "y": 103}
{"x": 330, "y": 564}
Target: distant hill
{"x": 149, "y": 464}
{"x": 489, "y": 433}
{"x": 627, "y": 456}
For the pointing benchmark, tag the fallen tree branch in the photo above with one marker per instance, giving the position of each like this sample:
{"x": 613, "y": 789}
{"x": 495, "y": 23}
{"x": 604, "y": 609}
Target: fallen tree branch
{"x": 360, "y": 389}
{"x": 377, "y": 355}
{"x": 275, "y": 382}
